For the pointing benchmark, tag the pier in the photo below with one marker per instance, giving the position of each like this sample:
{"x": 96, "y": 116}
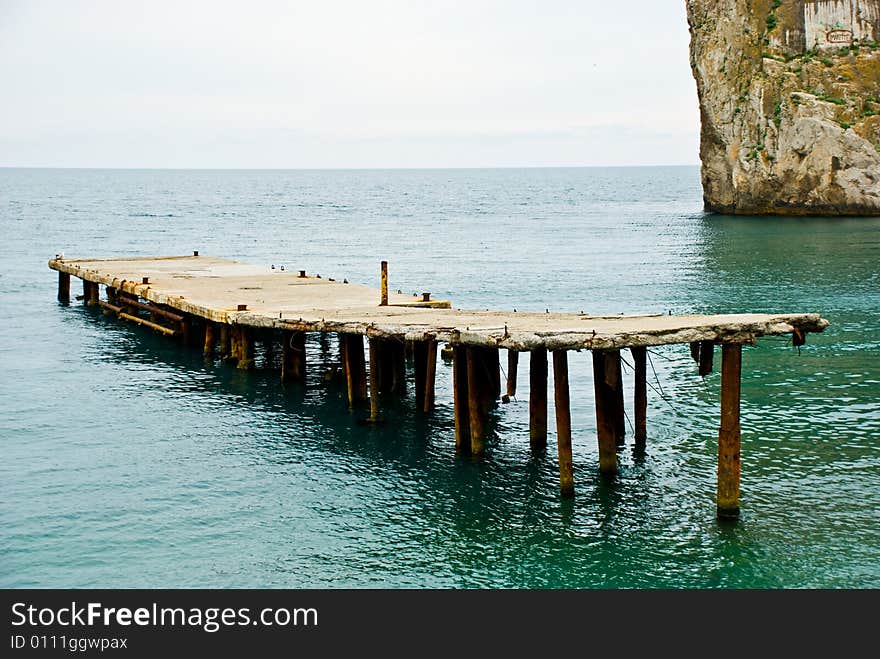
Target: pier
{"x": 227, "y": 308}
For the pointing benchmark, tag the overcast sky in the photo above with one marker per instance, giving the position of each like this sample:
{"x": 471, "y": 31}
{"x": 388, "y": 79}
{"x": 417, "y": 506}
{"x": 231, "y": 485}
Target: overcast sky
{"x": 345, "y": 83}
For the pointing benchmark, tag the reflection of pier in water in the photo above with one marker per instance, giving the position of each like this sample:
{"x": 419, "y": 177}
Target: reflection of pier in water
{"x": 228, "y": 306}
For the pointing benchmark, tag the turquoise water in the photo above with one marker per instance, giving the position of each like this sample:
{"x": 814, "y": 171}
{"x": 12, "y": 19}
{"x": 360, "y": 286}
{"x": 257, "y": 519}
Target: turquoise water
{"x": 128, "y": 461}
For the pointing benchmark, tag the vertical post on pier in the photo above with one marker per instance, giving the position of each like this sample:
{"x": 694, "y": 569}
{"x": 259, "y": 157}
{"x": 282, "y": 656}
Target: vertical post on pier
{"x": 729, "y": 435}
{"x": 563, "y": 422}
{"x": 512, "y": 367}
{"x": 293, "y": 356}
{"x": 246, "y": 348}
{"x": 90, "y": 293}
{"x": 430, "y": 375}
{"x": 538, "y": 398}
{"x": 352, "y": 348}
{"x": 384, "y": 281}
{"x": 64, "y": 287}
{"x": 640, "y": 394}
{"x": 374, "y": 379}
{"x": 225, "y": 341}
{"x": 614, "y": 380}
{"x": 604, "y": 416}
{"x": 112, "y": 295}
{"x": 356, "y": 355}
{"x": 234, "y": 344}
{"x": 420, "y": 358}
{"x": 493, "y": 359}
{"x": 707, "y": 349}
{"x": 186, "y": 330}
{"x": 476, "y": 397}
{"x": 210, "y": 337}
{"x": 460, "y": 398}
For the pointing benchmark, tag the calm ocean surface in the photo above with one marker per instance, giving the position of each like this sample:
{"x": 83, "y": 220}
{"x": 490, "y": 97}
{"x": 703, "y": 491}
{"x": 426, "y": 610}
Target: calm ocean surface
{"x": 130, "y": 462}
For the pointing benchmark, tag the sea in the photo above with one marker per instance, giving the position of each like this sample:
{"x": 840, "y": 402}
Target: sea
{"x": 129, "y": 460}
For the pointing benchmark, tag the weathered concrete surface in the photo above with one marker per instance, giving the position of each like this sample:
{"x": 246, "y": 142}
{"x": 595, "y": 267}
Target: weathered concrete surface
{"x": 790, "y": 105}
{"x": 213, "y": 288}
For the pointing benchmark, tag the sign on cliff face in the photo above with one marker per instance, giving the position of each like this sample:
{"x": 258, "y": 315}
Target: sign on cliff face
{"x": 840, "y": 37}
{"x": 836, "y": 23}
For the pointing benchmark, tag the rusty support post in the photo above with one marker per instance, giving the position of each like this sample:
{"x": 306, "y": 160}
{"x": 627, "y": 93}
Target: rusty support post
{"x": 112, "y": 295}
{"x": 246, "y": 348}
{"x": 234, "y": 344}
{"x": 563, "y": 422}
{"x": 493, "y": 358}
{"x": 352, "y": 348}
{"x": 512, "y": 367}
{"x": 384, "y": 282}
{"x": 420, "y": 359}
{"x": 640, "y": 394}
{"x": 225, "y": 341}
{"x": 729, "y": 435}
{"x": 460, "y": 398}
{"x": 186, "y": 330}
{"x": 64, "y": 287}
{"x": 538, "y": 398}
{"x": 614, "y": 379}
{"x": 604, "y": 416}
{"x": 374, "y": 379}
{"x": 707, "y": 349}
{"x": 293, "y": 356}
{"x": 91, "y": 293}
{"x": 430, "y": 375}
{"x": 358, "y": 362}
{"x": 476, "y": 397}
{"x": 210, "y": 337}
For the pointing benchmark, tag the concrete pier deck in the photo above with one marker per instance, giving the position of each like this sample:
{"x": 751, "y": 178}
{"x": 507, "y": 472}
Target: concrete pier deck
{"x": 214, "y": 288}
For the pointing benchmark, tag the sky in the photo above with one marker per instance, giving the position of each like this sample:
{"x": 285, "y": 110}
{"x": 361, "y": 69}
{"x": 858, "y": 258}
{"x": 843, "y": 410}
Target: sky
{"x": 345, "y": 84}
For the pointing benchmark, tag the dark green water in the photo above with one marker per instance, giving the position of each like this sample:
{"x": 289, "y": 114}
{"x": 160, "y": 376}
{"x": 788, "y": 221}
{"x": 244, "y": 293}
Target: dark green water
{"x": 130, "y": 462}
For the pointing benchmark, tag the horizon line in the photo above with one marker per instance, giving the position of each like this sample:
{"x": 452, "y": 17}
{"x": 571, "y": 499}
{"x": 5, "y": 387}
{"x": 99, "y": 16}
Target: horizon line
{"x": 319, "y": 169}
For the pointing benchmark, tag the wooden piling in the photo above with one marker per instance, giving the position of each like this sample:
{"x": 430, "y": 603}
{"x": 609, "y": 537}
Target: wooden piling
{"x": 63, "y": 287}
{"x": 707, "y": 349}
{"x": 476, "y": 399}
{"x": 563, "y": 422}
{"x": 430, "y": 375}
{"x": 210, "y": 338}
{"x": 729, "y": 434}
{"x": 112, "y": 295}
{"x": 538, "y": 398}
{"x": 605, "y": 428}
{"x": 384, "y": 285}
{"x": 640, "y": 395}
{"x": 374, "y": 379}
{"x": 460, "y": 398}
{"x": 512, "y": 368}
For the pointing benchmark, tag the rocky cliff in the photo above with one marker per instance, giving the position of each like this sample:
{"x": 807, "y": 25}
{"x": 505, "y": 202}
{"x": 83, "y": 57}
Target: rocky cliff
{"x": 790, "y": 104}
